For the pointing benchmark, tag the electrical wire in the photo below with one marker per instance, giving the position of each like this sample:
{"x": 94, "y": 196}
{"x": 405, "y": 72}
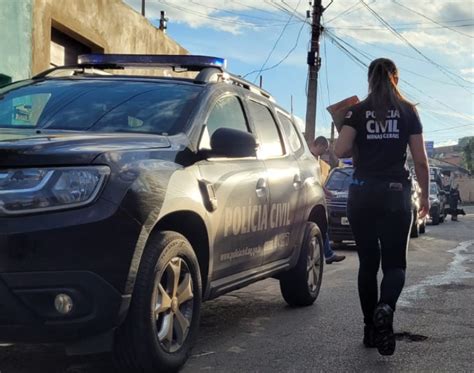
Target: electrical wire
{"x": 450, "y": 128}
{"x": 255, "y": 8}
{"x": 285, "y": 10}
{"x": 406, "y": 41}
{"x": 432, "y": 20}
{"x": 280, "y": 22}
{"x": 351, "y": 9}
{"x": 217, "y": 19}
{"x": 398, "y": 28}
{"x": 281, "y": 60}
{"x": 363, "y": 65}
{"x": 326, "y": 63}
{"x": 277, "y": 41}
{"x": 371, "y": 57}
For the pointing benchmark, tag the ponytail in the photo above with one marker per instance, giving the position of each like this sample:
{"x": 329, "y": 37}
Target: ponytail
{"x": 383, "y": 90}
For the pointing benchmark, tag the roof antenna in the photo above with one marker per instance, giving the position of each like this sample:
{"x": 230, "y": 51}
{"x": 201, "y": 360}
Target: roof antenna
{"x": 261, "y": 81}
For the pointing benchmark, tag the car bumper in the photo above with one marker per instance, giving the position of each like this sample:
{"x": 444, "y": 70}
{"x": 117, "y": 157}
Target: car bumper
{"x": 337, "y": 213}
{"x": 100, "y": 239}
{"x": 28, "y": 312}
{"x": 83, "y": 253}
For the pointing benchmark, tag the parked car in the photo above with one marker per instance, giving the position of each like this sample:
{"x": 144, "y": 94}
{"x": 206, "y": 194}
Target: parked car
{"x": 438, "y": 202}
{"x": 126, "y": 201}
{"x": 337, "y": 188}
{"x": 419, "y": 224}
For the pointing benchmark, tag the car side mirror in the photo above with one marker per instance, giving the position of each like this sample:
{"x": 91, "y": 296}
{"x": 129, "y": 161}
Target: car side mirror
{"x": 232, "y": 143}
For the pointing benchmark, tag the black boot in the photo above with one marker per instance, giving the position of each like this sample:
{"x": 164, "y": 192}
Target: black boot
{"x": 383, "y": 322}
{"x": 369, "y": 336}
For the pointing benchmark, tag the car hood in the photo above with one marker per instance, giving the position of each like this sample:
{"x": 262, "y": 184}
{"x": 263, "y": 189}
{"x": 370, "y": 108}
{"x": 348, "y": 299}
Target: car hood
{"x": 34, "y": 148}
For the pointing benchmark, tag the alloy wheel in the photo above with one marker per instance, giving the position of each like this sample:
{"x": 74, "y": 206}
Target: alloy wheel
{"x": 173, "y": 304}
{"x": 314, "y": 264}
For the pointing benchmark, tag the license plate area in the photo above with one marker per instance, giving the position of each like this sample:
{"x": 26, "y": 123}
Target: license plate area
{"x": 344, "y": 220}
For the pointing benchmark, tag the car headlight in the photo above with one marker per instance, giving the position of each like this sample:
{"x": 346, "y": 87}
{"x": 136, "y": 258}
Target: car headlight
{"x": 24, "y": 191}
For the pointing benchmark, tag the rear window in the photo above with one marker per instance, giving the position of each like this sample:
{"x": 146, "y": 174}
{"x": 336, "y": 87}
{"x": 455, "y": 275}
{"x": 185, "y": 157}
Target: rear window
{"x": 98, "y": 105}
{"x": 340, "y": 179}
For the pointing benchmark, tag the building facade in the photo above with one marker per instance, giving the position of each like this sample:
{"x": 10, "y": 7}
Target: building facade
{"x": 39, "y": 34}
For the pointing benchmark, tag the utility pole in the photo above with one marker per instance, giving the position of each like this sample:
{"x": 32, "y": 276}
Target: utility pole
{"x": 143, "y": 8}
{"x": 314, "y": 63}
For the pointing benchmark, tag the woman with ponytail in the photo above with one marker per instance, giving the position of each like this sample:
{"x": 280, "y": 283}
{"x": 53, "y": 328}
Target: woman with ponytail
{"x": 376, "y": 133}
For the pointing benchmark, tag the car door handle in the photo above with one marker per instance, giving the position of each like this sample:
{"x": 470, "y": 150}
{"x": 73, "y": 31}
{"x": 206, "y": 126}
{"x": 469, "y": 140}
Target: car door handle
{"x": 262, "y": 190}
{"x": 297, "y": 183}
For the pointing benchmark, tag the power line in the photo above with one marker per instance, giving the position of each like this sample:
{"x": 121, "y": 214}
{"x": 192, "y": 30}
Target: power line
{"x": 255, "y": 8}
{"x": 285, "y": 10}
{"x": 280, "y": 22}
{"x": 451, "y": 128}
{"x": 283, "y": 59}
{"x": 370, "y": 57}
{"x": 362, "y": 64}
{"x": 397, "y": 27}
{"x": 277, "y": 41}
{"x": 349, "y": 10}
{"x": 405, "y": 40}
{"x": 432, "y": 20}
{"x": 326, "y": 63}
{"x": 217, "y": 19}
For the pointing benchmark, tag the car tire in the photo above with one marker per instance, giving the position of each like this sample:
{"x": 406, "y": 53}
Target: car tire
{"x": 435, "y": 217}
{"x": 162, "y": 322}
{"x": 300, "y": 286}
{"x": 423, "y": 227}
{"x": 415, "y": 227}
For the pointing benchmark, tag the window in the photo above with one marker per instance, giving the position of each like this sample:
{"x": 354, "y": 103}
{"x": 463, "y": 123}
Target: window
{"x": 227, "y": 113}
{"x": 290, "y": 132}
{"x": 267, "y": 131}
{"x": 104, "y": 105}
{"x": 340, "y": 180}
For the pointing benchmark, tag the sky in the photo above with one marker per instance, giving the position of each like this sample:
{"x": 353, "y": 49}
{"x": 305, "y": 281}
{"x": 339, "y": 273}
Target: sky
{"x": 431, "y": 41}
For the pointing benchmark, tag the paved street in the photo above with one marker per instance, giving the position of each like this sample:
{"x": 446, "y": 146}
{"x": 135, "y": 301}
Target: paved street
{"x": 253, "y": 330}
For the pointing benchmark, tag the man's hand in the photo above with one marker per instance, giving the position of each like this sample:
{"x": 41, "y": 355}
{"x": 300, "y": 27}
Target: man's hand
{"x": 424, "y": 207}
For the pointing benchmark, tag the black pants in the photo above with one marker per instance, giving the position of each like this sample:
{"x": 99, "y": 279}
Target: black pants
{"x": 380, "y": 215}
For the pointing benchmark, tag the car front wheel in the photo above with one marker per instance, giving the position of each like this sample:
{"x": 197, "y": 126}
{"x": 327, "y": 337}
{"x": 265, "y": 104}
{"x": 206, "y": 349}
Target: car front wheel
{"x": 300, "y": 286}
{"x": 163, "y": 318}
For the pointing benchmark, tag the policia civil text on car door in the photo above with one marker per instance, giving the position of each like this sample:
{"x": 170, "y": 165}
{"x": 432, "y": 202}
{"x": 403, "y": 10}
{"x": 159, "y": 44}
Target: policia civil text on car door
{"x": 376, "y": 133}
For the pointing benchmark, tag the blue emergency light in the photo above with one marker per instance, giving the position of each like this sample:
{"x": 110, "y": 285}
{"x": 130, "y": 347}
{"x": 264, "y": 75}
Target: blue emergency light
{"x": 188, "y": 62}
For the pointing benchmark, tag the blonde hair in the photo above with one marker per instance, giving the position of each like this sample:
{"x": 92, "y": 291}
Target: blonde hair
{"x": 383, "y": 89}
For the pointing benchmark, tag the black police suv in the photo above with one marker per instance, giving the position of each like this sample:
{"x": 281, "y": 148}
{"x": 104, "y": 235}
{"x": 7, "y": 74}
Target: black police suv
{"x": 126, "y": 201}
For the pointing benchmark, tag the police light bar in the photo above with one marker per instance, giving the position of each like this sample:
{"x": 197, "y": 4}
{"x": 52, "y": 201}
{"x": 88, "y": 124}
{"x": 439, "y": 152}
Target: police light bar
{"x": 189, "y": 62}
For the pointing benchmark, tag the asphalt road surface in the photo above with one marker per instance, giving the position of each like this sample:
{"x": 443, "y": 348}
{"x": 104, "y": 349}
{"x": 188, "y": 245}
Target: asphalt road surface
{"x": 252, "y": 330}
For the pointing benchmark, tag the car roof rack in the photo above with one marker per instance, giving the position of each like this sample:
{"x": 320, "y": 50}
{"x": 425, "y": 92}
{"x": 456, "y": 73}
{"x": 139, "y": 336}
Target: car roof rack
{"x": 211, "y": 69}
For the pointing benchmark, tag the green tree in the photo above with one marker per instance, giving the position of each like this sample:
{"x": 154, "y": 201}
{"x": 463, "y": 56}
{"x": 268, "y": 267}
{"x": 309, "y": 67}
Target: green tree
{"x": 468, "y": 150}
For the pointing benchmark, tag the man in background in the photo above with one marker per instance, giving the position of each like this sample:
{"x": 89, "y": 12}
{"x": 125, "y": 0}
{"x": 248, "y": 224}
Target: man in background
{"x": 319, "y": 147}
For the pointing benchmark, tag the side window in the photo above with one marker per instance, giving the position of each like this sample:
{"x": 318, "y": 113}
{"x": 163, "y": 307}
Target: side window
{"x": 290, "y": 132}
{"x": 267, "y": 131}
{"x": 226, "y": 113}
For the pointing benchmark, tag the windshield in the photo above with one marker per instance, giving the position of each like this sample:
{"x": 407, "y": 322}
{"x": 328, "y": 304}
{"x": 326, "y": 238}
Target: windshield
{"x": 340, "y": 179}
{"x": 105, "y": 105}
